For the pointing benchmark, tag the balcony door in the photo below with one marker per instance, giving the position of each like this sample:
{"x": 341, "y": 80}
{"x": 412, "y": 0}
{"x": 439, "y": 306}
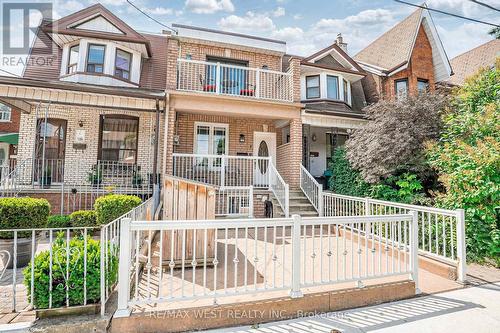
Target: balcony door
{"x": 233, "y": 78}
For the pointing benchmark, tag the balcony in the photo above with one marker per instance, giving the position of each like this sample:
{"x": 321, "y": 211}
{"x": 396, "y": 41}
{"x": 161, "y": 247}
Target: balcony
{"x": 231, "y": 80}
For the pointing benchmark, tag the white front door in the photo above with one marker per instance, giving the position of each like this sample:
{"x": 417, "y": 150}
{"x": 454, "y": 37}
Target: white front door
{"x": 264, "y": 145}
{"x": 4, "y": 160}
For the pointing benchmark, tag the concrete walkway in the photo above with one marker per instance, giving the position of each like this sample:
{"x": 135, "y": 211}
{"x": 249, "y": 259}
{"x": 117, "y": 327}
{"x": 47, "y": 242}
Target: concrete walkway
{"x": 474, "y": 309}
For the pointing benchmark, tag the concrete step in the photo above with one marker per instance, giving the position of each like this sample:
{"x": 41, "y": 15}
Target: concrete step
{"x": 301, "y": 213}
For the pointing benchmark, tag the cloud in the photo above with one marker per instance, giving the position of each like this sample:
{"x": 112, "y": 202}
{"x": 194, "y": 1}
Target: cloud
{"x": 289, "y": 34}
{"x": 470, "y": 35}
{"x": 464, "y": 7}
{"x": 209, "y": 6}
{"x": 251, "y": 22}
{"x": 365, "y": 18}
{"x": 160, "y": 11}
{"x": 280, "y": 11}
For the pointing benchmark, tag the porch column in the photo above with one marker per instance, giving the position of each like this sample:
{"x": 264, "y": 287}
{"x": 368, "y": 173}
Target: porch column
{"x": 295, "y": 153}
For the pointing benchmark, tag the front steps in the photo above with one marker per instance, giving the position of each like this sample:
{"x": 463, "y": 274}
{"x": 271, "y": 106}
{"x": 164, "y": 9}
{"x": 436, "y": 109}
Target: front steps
{"x": 299, "y": 205}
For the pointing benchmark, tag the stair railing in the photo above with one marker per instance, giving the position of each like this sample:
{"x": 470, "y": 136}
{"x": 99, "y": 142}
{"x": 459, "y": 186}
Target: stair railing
{"x": 279, "y": 188}
{"x": 312, "y": 189}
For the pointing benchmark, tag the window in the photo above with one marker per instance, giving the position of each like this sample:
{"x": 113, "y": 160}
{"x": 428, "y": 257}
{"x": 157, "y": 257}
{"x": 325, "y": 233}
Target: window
{"x": 332, "y": 87}
{"x": 346, "y": 92}
{"x": 74, "y": 52}
{"x": 119, "y": 139}
{"x": 401, "y": 87}
{"x": 423, "y": 86}
{"x": 5, "y": 112}
{"x": 95, "y": 58}
{"x": 312, "y": 87}
{"x": 210, "y": 139}
{"x": 122, "y": 64}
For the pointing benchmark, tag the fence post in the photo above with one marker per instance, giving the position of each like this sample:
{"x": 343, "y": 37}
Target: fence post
{"x": 414, "y": 249}
{"x": 295, "y": 292}
{"x": 123, "y": 270}
{"x": 250, "y": 201}
{"x": 257, "y": 83}
{"x": 217, "y": 78}
{"x": 461, "y": 254}
{"x": 103, "y": 272}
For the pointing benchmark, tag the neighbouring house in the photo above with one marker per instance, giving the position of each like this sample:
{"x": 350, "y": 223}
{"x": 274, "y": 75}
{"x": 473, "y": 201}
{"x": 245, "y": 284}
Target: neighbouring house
{"x": 90, "y": 112}
{"x": 9, "y": 136}
{"x": 408, "y": 59}
{"x": 468, "y": 63}
{"x": 333, "y": 96}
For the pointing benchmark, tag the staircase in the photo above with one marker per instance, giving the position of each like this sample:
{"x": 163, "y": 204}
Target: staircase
{"x": 299, "y": 205}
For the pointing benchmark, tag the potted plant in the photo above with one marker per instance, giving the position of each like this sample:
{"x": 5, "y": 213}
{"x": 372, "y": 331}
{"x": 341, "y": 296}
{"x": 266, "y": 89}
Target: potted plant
{"x": 20, "y": 213}
{"x": 136, "y": 179}
{"x": 46, "y": 180}
{"x": 95, "y": 177}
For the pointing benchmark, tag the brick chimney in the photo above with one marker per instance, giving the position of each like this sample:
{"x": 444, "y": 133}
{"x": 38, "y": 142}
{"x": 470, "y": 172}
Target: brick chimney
{"x": 340, "y": 42}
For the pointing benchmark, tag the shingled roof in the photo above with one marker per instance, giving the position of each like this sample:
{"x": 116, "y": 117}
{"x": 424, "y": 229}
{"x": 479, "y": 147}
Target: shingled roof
{"x": 468, "y": 63}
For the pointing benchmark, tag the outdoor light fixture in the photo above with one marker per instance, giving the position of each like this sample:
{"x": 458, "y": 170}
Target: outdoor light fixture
{"x": 80, "y": 123}
{"x": 314, "y": 137}
{"x": 242, "y": 138}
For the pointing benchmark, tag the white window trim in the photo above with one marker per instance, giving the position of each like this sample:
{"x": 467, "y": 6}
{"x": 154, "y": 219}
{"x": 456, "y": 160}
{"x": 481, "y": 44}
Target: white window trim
{"x": 210, "y": 137}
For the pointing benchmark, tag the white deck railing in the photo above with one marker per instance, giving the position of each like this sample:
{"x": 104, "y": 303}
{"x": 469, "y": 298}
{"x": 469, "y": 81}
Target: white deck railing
{"x": 231, "y": 80}
{"x": 280, "y": 189}
{"x": 312, "y": 189}
{"x": 259, "y": 256}
{"x": 441, "y": 232}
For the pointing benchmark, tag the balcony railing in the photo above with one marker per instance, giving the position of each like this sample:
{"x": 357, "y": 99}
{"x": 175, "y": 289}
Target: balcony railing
{"x": 223, "y": 79}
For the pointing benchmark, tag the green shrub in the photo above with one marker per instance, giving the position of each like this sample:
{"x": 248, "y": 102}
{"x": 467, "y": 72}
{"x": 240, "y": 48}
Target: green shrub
{"x": 112, "y": 206}
{"x": 58, "y": 221}
{"x": 22, "y": 213}
{"x": 76, "y": 273}
{"x": 345, "y": 180}
{"x": 83, "y": 218}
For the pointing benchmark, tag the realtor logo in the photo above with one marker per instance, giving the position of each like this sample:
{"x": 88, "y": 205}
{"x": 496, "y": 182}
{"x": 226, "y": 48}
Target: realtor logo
{"x": 18, "y": 20}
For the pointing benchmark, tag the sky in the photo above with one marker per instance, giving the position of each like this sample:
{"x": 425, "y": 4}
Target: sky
{"x": 306, "y": 25}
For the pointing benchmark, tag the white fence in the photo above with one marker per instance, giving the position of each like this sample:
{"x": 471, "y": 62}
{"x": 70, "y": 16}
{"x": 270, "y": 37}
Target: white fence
{"x": 441, "y": 232}
{"x": 75, "y": 258}
{"x": 259, "y": 255}
{"x": 224, "y": 79}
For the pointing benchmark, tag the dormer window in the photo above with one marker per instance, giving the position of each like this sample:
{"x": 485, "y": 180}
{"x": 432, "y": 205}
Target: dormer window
{"x": 346, "y": 92}
{"x": 73, "y": 59}
{"x": 122, "y": 64}
{"x": 95, "y": 58}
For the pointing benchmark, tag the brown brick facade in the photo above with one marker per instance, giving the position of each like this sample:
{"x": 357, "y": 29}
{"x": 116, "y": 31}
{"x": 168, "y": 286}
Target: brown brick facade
{"x": 11, "y": 126}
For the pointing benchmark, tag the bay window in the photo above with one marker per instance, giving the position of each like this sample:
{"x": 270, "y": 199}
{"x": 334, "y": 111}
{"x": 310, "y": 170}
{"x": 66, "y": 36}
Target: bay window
{"x": 346, "y": 92}
{"x": 74, "y": 53}
{"x": 95, "y": 58}
{"x": 312, "y": 87}
{"x": 122, "y": 64}
{"x": 118, "y": 139}
{"x": 332, "y": 83}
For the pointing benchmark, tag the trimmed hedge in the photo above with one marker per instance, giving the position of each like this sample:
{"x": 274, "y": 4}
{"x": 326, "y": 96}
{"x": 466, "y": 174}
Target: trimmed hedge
{"x": 83, "y": 218}
{"x": 112, "y": 206}
{"x": 76, "y": 273}
{"x": 58, "y": 221}
{"x": 22, "y": 213}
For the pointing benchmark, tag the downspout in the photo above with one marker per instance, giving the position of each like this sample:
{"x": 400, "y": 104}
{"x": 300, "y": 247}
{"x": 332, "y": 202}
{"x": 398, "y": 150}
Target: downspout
{"x": 156, "y": 144}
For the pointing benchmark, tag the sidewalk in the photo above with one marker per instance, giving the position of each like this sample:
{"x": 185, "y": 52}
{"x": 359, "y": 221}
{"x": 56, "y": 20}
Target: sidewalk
{"x": 473, "y": 309}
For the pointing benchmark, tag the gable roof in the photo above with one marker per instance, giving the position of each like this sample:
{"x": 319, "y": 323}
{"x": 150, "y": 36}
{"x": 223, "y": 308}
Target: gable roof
{"x": 468, "y": 63}
{"x": 392, "y": 51}
{"x": 77, "y": 24}
{"x": 342, "y": 61}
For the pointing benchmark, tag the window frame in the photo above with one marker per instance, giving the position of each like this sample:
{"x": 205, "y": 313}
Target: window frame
{"x": 101, "y": 127}
{"x": 74, "y": 65}
{"x": 345, "y": 87}
{"x": 426, "y": 81}
{"x": 129, "y": 67}
{"x": 318, "y": 87}
{"x": 4, "y": 111}
{"x": 87, "y": 63}
{"x": 338, "y": 87}
{"x": 396, "y": 92}
{"x": 211, "y": 127}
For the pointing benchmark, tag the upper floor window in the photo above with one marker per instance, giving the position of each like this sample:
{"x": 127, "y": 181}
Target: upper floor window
{"x": 346, "y": 92}
{"x": 401, "y": 87}
{"x": 122, "y": 64}
{"x": 95, "y": 58}
{"x": 5, "y": 112}
{"x": 423, "y": 86}
{"x": 332, "y": 88}
{"x": 74, "y": 52}
{"x": 312, "y": 87}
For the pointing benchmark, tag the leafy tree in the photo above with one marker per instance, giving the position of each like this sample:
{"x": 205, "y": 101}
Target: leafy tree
{"x": 495, "y": 32}
{"x": 393, "y": 139}
{"x": 345, "y": 180}
{"x": 467, "y": 158}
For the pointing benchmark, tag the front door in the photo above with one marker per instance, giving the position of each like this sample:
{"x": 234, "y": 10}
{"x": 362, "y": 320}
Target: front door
{"x": 264, "y": 145}
{"x": 4, "y": 160}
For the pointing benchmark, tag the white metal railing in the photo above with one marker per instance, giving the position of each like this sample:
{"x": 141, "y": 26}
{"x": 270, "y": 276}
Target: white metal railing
{"x": 441, "y": 232}
{"x": 312, "y": 189}
{"x": 259, "y": 255}
{"x": 225, "y": 79}
{"x": 280, "y": 189}
{"x": 223, "y": 170}
{"x": 234, "y": 201}
{"x": 76, "y": 258}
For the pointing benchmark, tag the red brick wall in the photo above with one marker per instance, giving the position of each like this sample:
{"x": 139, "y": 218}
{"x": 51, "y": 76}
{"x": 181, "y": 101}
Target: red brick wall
{"x": 11, "y": 126}
{"x": 420, "y": 67}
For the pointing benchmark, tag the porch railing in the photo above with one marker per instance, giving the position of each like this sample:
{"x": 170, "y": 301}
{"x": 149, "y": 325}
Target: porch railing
{"x": 224, "y": 79}
{"x": 76, "y": 258}
{"x": 260, "y": 256}
{"x": 441, "y": 232}
{"x": 312, "y": 189}
{"x": 234, "y": 201}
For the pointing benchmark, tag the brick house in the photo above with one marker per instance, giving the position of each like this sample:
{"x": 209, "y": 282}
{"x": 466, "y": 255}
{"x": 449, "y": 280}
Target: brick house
{"x": 9, "y": 135}
{"x": 407, "y": 59}
{"x": 90, "y": 114}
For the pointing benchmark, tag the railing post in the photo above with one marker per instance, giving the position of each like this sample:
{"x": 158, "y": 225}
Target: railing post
{"x": 123, "y": 270}
{"x": 414, "y": 249}
{"x": 287, "y": 200}
{"x": 223, "y": 171}
{"x": 217, "y": 78}
{"x": 320, "y": 200}
{"x": 461, "y": 249}
{"x": 295, "y": 292}
{"x": 103, "y": 273}
{"x": 250, "y": 201}
{"x": 257, "y": 83}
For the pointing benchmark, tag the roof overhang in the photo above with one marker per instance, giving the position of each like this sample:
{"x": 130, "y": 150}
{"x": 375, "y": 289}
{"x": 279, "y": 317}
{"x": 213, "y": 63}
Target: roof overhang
{"x": 35, "y": 92}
